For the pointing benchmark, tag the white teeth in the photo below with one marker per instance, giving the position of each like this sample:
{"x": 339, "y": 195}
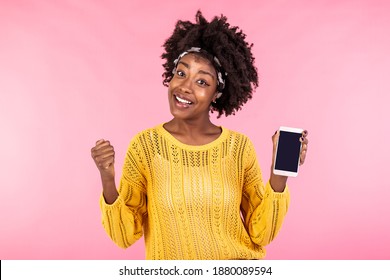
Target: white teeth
{"x": 183, "y": 100}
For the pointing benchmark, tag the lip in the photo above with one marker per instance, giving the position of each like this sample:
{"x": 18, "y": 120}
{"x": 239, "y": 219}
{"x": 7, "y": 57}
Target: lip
{"x": 182, "y": 96}
{"x": 180, "y": 105}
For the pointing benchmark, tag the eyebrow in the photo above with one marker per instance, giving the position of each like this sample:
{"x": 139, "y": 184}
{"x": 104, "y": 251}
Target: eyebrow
{"x": 200, "y": 71}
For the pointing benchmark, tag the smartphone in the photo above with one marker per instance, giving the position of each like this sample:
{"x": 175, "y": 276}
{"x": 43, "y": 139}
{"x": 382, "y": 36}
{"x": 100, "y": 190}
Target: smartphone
{"x": 288, "y": 149}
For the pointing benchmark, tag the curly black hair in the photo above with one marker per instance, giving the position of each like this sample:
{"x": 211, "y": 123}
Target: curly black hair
{"x": 225, "y": 42}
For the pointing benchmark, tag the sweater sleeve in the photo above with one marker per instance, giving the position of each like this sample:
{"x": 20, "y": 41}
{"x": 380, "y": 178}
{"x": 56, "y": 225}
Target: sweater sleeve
{"x": 123, "y": 219}
{"x": 263, "y": 209}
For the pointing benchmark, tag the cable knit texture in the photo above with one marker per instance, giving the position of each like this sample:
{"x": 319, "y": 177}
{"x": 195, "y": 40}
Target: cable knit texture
{"x": 194, "y": 202}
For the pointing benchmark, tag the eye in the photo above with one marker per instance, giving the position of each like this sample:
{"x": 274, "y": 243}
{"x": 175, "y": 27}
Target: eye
{"x": 202, "y": 83}
{"x": 180, "y": 73}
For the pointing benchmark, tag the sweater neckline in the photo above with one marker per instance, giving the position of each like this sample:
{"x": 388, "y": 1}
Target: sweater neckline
{"x": 180, "y": 144}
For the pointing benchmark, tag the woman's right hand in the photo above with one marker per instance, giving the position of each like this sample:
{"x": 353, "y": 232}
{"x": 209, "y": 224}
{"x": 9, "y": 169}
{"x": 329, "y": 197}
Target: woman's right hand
{"x": 104, "y": 156}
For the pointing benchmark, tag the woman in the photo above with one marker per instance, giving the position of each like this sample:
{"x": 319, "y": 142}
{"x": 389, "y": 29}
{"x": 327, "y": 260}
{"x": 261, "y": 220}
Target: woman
{"x": 194, "y": 189}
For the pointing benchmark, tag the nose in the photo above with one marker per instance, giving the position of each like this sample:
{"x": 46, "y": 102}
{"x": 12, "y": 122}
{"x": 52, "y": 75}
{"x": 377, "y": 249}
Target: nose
{"x": 186, "y": 85}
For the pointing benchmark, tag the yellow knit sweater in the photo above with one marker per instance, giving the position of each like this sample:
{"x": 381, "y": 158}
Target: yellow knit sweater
{"x": 194, "y": 202}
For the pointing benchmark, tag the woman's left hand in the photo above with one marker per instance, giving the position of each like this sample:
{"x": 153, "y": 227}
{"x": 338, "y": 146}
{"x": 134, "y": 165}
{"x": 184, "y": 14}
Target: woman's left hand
{"x": 304, "y": 142}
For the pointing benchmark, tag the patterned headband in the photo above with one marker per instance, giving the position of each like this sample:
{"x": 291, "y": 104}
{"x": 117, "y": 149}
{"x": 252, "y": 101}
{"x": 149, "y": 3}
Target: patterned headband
{"x": 217, "y": 65}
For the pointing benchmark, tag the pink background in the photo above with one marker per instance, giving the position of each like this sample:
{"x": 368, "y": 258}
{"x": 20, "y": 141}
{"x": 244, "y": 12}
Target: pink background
{"x": 72, "y": 72}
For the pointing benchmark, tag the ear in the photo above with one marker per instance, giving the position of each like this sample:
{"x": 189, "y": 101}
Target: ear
{"x": 218, "y": 95}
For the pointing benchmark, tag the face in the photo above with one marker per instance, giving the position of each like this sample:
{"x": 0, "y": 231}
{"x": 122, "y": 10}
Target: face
{"x": 192, "y": 88}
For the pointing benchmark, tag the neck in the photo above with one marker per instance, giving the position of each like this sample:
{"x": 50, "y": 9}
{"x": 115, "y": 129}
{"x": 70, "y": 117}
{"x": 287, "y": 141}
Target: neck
{"x": 193, "y": 133}
{"x": 190, "y": 127}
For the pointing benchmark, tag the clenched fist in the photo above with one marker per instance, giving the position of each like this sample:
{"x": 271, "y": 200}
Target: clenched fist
{"x": 104, "y": 156}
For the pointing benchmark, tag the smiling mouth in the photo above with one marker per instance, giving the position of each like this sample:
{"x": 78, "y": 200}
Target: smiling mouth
{"x": 182, "y": 101}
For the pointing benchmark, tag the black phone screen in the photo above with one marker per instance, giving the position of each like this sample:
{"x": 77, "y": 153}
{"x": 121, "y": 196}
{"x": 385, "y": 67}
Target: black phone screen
{"x": 288, "y": 151}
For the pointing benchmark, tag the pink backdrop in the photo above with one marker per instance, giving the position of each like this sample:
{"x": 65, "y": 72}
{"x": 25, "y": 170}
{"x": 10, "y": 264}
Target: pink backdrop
{"x": 72, "y": 72}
